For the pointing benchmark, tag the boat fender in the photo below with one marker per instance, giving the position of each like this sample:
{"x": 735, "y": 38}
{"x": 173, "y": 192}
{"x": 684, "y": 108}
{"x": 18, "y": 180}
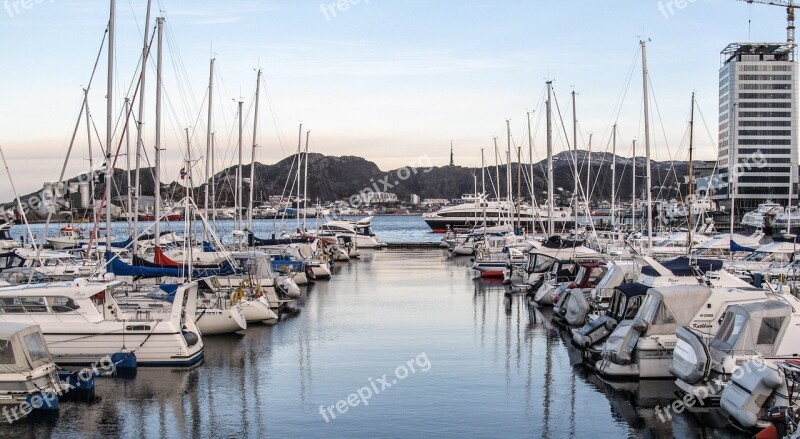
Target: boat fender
{"x": 611, "y": 324}
{"x": 191, "y": 338}
{"x": 123, "y": 361}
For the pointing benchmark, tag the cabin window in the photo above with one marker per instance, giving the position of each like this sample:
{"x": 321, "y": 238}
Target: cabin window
{"x": 50, "y": 262}
{"x": 6, "y": 352}
{"x": 730, "y": 328}
{"x": 11, "y": 305}
{"x": 35, "y": 346}
{"x": 137, "y": 328}
{"x": 63, "y": 304}
{"x": 770, "y": 327}
{"x": 33, "y": 304}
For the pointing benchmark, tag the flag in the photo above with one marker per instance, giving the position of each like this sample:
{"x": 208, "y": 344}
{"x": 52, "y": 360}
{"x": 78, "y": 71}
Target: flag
{"x": 183, "y": 173}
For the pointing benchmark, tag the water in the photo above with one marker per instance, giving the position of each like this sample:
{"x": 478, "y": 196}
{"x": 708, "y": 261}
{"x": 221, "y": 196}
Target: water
{"x": 391, "y": 229}
{"x": 494, "y": 369}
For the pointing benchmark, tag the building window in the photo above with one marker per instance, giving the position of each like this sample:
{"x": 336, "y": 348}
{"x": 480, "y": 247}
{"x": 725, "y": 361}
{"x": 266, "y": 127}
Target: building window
{"x": 765, "y": 123}
{"x": 765, "y": 114}
{"x": 765, "y": 142}
{"x": 762, "y": 179}
{"x": 765, "y": 95}
{"x": 762, "y": 86}
{"x": 765, "y": 132}
{"x": 771, "y": 151}
{"x": 765, "y": 105}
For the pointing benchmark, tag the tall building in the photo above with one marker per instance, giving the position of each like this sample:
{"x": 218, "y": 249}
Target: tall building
{"x": 757, "y": 128}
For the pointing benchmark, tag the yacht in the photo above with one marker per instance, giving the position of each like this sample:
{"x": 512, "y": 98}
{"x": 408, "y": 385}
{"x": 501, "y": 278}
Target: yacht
{"x": 83, "y": 323}
{"x": 362, "y": 229}
{"x": 476, "y": 209}
{"x": 69, "y": 237}
{"x": 755, "y": 220}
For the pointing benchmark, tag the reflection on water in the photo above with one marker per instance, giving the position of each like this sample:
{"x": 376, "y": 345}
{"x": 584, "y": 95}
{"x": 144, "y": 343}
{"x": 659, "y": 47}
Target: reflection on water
{"x": 499, "y": 368}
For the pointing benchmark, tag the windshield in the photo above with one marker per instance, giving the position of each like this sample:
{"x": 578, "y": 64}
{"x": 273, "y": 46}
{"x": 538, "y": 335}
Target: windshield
{"x": 540, "y": 263}
{"x": 649, "y": 309}
{"x": 35, "y": 346}
{"x": 732, "y": 325}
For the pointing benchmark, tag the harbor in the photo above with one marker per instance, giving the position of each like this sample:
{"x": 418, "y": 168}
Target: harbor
{"x": 365, "y": 219}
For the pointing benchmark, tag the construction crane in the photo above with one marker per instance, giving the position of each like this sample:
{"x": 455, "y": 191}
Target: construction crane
{"x": 789, "y": 5}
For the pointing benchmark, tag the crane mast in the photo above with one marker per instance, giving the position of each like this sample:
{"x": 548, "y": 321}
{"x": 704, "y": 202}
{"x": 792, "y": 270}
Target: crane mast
{"x": 790, "y": 28}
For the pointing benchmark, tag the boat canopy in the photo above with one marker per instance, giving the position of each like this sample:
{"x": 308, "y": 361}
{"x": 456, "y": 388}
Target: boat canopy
{"x": 683, "y": 266}
{"x": 22, "y": 348}
{"x": 753, "y": 327}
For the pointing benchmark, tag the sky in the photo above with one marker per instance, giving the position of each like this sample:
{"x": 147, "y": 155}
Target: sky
{"x": 388, "y": 80}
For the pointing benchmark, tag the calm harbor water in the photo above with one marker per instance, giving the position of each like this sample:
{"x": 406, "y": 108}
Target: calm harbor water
{"x": 392, "y": 229}
{"x": 460, "y": 360}
{"x": 472, "y": 363}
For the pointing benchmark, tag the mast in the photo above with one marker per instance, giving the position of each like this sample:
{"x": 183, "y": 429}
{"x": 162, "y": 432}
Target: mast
{"x": 140, "y": 128}
{"x": 497, "y": 168}
{"x": 613, "y": 175}
{"x": 110, "y": 118}
{"x": 483, "y": 187}
{"x": 208, "y": 142}
{"x": 305, "y": 183}
{"x": 128, "y": 165}
{"x": 509, "y": 190}
{"x": 213, "y": 179}
{"x": 297, "y": 176}
{"x": 550, "y": 185}
{"x": 239, "y": 200}
{"x": 647, "y": 147}
{"x": 689, "y": 191}
{"x": 253, "y": 160}
{"x": 633, "y": 189}
{"x": 91, "y": 159}
{"x": 589, "y": 172}
{"x": 575, "y": 152}
{"x": 530, "y": 164}
{"x": 157, "y": 185}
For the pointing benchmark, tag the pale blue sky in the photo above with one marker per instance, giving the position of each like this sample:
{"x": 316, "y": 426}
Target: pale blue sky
{"x": 389, "y": 80}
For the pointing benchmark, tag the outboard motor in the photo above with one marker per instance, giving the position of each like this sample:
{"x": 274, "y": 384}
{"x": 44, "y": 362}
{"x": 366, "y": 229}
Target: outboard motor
{"x": 576, "y": 308}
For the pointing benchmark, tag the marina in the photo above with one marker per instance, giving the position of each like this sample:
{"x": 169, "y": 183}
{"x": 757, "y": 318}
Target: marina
{"x": 194, "y": 266}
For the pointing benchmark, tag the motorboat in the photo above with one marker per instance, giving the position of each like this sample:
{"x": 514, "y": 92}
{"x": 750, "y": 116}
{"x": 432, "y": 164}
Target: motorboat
{"x": 69, "y": 237}
{"x": 83, "y": 323}
{"x": 641, "y": 348}
{"x": 766, "y": 330}
{"x": 27, "y": 370}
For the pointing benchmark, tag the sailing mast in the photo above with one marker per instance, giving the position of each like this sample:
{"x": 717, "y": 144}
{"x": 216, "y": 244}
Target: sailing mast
{"x": 253, "y": 159}
{"x": 588, "y": 173}
{"x": 575, "y": 153}
{"x": 550, "y": 185}
{"x": 110, "y": 118}
{"x": 633, "y": 189}
{"x": 689, "y": 240}
{"x": 128, "y": 181}
{"x": 613, "y": 176}
{"x": 497, "y": 168}
{"x": 297, "y": 176}
{"x": 157, "y": 176}
{"x": 209, "y": 131}
{"x": 140, "y": 128}
{"x": 530, "y": 163}
{"x": 91, "y": 159}
{"x": 509, "y": 190}
{"x": 647, "y": 147}
{"x": 305, "y": 183}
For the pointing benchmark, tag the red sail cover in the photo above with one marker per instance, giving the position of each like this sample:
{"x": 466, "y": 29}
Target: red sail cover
{"x": 163, "y": 260}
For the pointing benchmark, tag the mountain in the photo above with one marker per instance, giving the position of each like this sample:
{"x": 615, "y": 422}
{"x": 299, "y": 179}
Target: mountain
{"x": 340, "y": 178}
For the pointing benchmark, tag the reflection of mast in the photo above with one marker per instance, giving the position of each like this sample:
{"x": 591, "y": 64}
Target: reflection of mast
{"x": 548, "y": 379}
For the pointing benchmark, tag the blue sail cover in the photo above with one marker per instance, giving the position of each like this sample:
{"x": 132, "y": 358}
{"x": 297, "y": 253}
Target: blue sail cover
{"x": 281, "y": 261}
{"x": 738, "y": 248}
{"x": 120, "y": 268}
{"x": 683, "y": 266}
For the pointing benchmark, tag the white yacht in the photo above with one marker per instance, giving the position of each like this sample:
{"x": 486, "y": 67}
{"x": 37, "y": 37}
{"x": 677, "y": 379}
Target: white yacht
{"x": 362, "y": 229}
{"x": 82, "y": 323}
{"x": 69, "y": 237}
{"x": 754, "y": 220}
{"x": 476, "y": 209}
